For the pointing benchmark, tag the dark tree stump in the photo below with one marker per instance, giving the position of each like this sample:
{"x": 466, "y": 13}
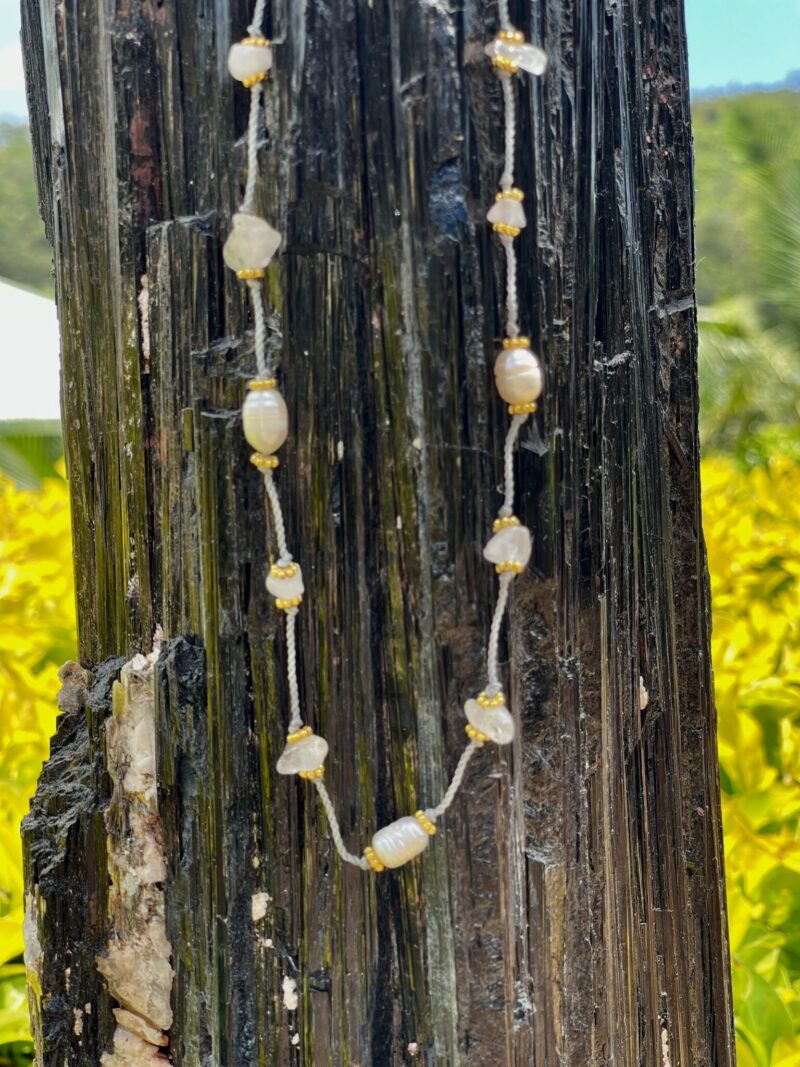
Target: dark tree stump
{"x": 572, "y": 909}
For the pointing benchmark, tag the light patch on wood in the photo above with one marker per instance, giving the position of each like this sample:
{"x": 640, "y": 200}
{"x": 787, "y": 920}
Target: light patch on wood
{"x": 137, "y": 962}
{"x": 295, "y": 1039}
{"x": 665, "y": 1055}
{"x": 258, "y": 905}
{"x": 77, "y": 1026}
{"x": 290, "y": 997}
{"x": 644, "y": 696}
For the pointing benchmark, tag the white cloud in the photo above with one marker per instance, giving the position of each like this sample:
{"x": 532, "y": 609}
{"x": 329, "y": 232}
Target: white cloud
{"x": 11, "y": 76}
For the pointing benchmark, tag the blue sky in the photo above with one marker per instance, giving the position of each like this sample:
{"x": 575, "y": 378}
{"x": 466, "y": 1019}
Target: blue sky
{"x": 729, "y": 41}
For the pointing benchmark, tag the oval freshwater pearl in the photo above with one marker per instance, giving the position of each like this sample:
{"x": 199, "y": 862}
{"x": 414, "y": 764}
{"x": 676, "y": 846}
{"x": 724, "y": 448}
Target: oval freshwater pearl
{"x": 251, "y": 244}
{"x": 265, "y": 419}
{"x": 510, "y": 545}
{"x": 304, "y": 755}
{"x": 497, "y": 723}
{"x": 400, "y": 841}
{"x": 245, "y": 60}
{"x": 286, "y": 588}
{"x": 526, "y": 56}
{"x": 507, "y": 211}
{"x": 518, "y": 375}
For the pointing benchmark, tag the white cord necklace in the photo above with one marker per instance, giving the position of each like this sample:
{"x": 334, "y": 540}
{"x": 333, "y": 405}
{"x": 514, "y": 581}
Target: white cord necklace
{"x": 249, "y": 248}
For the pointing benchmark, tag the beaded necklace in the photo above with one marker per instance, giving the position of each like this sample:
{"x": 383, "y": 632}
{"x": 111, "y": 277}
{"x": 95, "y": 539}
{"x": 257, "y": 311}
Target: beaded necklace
{"x": 250, "y": 246}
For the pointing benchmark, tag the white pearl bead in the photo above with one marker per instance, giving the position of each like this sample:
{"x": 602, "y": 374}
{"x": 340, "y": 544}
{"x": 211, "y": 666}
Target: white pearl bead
{"x": 518, "y": 375}
{"x": 526, "y": 56}
{"x": 304, "y": 755}
{"x": 400, "y": 841}
{"x": 265, "y": 420}
{"x": 510, "y": 545}
{"x": 497, "y": 723}
{"x": 245, "y": 60}
{"x": 251, "y": 244}
{"x": 286, "y": 588}
{"x": 507, "y": 211}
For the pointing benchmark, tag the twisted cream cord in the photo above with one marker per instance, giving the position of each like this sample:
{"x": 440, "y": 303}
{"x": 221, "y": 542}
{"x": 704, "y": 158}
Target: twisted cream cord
{"x": 507, "y": 177}
{"x": 296, "y": 720}
{"x": 512, "y": 294}
{"x": 336, "y": 831}
{"x": 492, "y": 669}
{"x": 505, "y": 18}
{"x": 508, "y": 464}
{"x": 252, "y": 149}
{"x": 255, "y": 27}
{"x": 277, "y": 518}
{"x": 455, "y": 782}
{"x": 260, "y": 327}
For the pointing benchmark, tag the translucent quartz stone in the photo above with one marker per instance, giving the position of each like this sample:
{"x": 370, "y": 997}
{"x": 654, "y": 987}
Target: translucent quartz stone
{"x": 526, "y": 56}
{"x": 496, "y": 723}
{"x": 265, "y": 419}
{"x": 400, "y": 841}
{"x": 286, "y": 588}
{"x": 511, "y": 544}
{"x": 518, "y": 375}
{"x": 251, "y": 244}
{"x": 304, "y": 755}
{"x": 507, "y": 211}
{"x": 245, "y": 60}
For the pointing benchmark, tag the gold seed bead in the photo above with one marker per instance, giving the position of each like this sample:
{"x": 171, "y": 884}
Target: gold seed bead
{"x": 505, "y": 230}
{"x": 262, "y": 385}
{"x": 256, "y": 42}
{"x": 474, "y": 734}
{"x": 510, "y": 566}
{"x": 516, "y": 342}
{"x": 504, "y": 522}
{"x": 506, "y": 65}
{"x": 250, "y": 272}
{"x": 289, "y": 571}
{"x": 485, "y": 701}
{"x": 264, "y": 463}
{"x": 511, "y": 194}
{"x": 526, "y": 408}
{"x": 311, "y": 776}
{"x": 512, "y": 36}
{"x": 427, "y": 825}
{"x": 254, "y": 79}
{"x": 372, "y": 859}
{"x": 299, "y": 735}
{"x": 285, "y": 604}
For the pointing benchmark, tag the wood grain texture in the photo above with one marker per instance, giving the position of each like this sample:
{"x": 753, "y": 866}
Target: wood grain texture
{"x": 571, "y": 911}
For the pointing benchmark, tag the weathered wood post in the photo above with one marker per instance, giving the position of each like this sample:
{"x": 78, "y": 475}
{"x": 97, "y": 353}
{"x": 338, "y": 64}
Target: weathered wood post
{"x": 572, "y": 911}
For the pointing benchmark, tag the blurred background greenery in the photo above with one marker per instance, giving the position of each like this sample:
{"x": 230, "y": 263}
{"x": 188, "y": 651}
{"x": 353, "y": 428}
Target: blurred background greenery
{"x": 748, "y": 271}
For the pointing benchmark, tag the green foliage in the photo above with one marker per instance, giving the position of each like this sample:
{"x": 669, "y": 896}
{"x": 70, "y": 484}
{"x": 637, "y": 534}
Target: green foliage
{"x": 25, "y": 255}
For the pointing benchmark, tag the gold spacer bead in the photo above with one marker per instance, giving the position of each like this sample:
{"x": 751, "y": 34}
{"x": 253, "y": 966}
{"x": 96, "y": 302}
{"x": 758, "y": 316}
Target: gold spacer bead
{"x": 508, "y": 66}
{"x": 474, "y": 734}
{"x": 505, "y": 230}
{"x": 286, "y": 604}
{"x": 299, "y": 735}
{"x": 289, "y": 571}
{"x": 262, "y": 385}
{"x": 264, "y": 463}
{"x": 504, "y": 522}
{"x": 510, "y": 566}
{"x": 254, "y": 79}
{"x": 512, "y": 36}
{"x": 526, "y": 408}
{"x": 427, "y": 824}
{"x": 485, "y": 701}
{"x": 249, "y": 273}
{"x": 371, "y": 857}
{"x": 511, "y": 194}
{"x": 516, "y": 342}
{"x": 312, "y": 776}
{"x": 256, "y": 42}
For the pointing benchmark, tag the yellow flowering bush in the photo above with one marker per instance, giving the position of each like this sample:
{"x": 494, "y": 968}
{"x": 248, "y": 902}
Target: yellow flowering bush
{"x": 37, "y": 633}
{"x": 752, "y": 528}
